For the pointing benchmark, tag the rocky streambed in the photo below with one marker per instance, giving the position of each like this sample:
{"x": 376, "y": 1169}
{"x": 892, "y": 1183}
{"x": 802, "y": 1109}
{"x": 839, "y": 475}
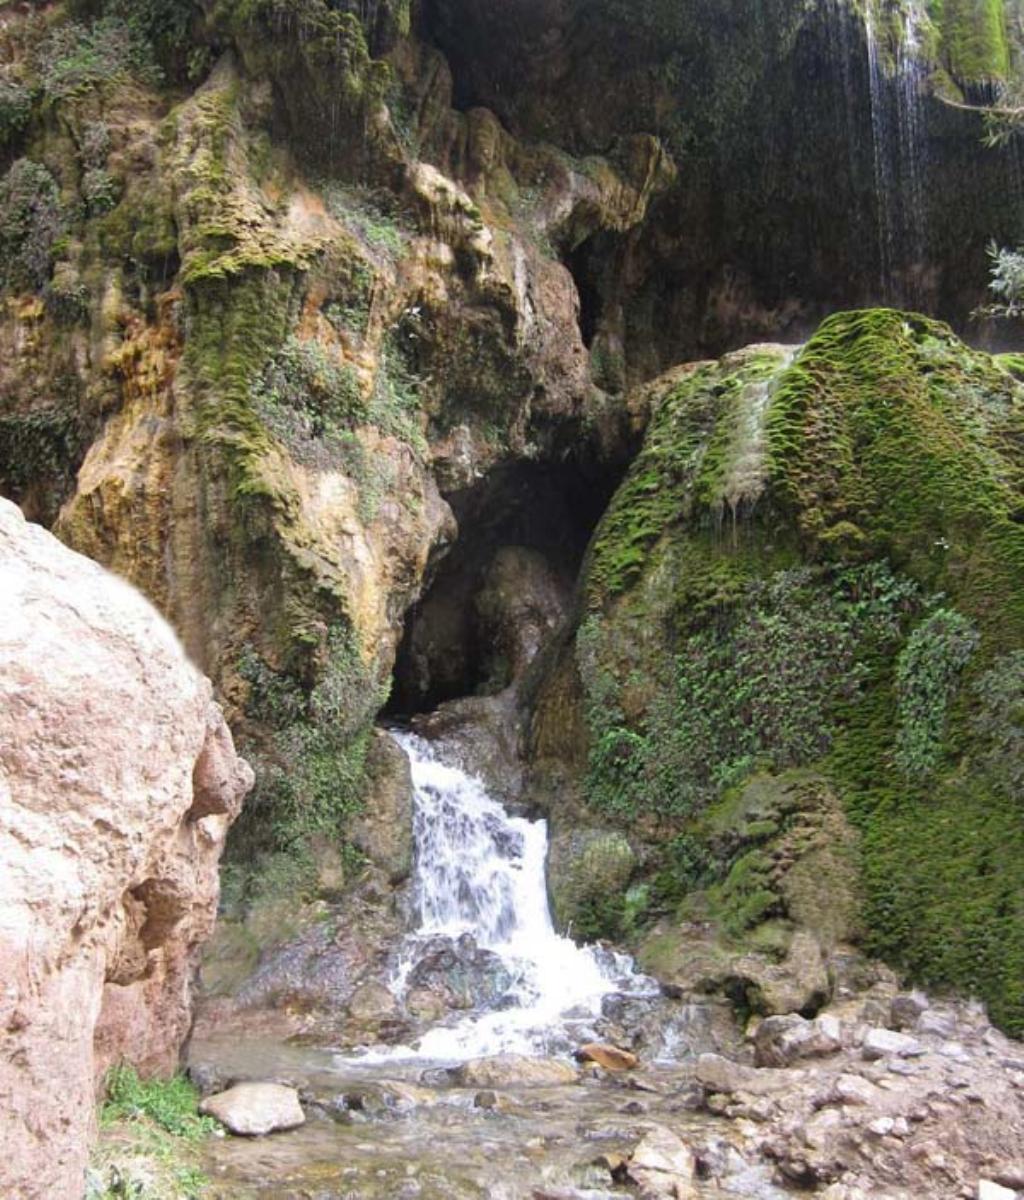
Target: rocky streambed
{"x": 884, "y": 1095}
{"x": 480, "y": 1054}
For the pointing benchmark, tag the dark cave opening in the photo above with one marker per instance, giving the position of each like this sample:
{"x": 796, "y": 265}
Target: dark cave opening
{"x": 522, "y": 517}
{"x": 580, "y": 266}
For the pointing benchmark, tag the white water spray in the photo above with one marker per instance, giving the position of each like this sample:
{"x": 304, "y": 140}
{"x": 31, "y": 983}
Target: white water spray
{"x": 482, "y": 872}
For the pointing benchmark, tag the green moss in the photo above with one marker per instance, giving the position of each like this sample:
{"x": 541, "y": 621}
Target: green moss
{"x": 943, "y": 873}
{"x": 1013, "y": 364}
{"x": 887, "y": 424}
{"x": 849, "y": 598}
{"x": 31, "y": 221}
{"x": 142, "y": 228}
{"x": 226, "y": 226}
{"x": 927, "y": 675}
{"x": 768, "y": 856}
{"x": 683, "y": 468}
{"x": 15, "y": 109}
{"x": 590, "y": 892}
{"x": 41, "y": 446}
{"x": 973, "y": 38}
{"x": 310, "y": 776}
{"x": 321, "y": 63}
{"x": 758, "y": 669}
{"x": 233, "y": 331}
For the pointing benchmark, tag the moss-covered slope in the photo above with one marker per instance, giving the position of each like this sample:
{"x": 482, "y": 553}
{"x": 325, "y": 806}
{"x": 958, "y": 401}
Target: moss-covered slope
{"x": 816, "y": 563}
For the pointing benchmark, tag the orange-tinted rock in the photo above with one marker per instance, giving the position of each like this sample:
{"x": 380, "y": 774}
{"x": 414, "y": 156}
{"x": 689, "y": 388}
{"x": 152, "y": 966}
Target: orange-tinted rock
{"x": 612, "y": 1058}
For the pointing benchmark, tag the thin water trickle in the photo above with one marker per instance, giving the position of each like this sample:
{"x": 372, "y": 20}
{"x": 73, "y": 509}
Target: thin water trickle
{"x": 899, "y": 145}
{"x": 481, "y": 872}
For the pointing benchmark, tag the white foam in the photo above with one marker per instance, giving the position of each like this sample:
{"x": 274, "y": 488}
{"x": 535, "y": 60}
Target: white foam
{"x": 482, "y": 872}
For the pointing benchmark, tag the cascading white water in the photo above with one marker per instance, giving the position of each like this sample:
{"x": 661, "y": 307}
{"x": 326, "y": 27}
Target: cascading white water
{"x": 480, "y": 871}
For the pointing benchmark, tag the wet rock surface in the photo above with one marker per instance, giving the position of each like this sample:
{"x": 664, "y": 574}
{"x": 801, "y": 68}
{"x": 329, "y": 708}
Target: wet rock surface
{"x": 947, "y": 1121}
{"x": 459, "y": 974}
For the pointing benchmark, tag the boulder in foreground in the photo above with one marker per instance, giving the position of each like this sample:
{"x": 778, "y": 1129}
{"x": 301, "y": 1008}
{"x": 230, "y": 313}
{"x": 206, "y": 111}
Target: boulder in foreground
{"x": 118, "y": 781}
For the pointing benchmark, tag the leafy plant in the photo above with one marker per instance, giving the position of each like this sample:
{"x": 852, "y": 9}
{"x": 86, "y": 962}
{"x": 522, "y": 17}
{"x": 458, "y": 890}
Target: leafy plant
{"x": 100, "y": 190}
{"x": 370, "y": 215}
{"x": 162, "y": 25}
{"x": 999, "y": 722}
{"x": 169, "y": 1103}
{"x": 927, "y": 675}
{"x": 310, "y": 778}
{"x": 15, "y": 109}
{"x": 75, "y": 58}
{"x": 755, "y": 687}
{"x": 1006, "y": 282}
{"x": 309, "y": 399}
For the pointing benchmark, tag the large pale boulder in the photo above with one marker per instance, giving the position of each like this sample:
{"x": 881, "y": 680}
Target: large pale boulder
{"x": 255, "y": 1109}
{"x": 118, "y": 781}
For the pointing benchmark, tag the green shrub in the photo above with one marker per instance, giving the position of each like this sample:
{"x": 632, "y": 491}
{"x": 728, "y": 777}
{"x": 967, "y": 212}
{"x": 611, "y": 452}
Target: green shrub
{"x": 42, "y": 445}
{"x": 162, "y": 25}
{"x": 75, "y": 58}
{"x": 100, "y": 191}
{"x": 15, "y": 109}
{"x": 998, "y": 722}
{"x": 309, "y": 401}
{"x": 369, "y": 214}
{"x": 31, "y": 221}
{"x": 757, "y": 686}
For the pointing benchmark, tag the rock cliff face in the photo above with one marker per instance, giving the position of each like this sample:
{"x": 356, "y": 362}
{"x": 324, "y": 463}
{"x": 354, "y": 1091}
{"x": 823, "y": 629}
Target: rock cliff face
{"x": 118, "y": 781}
{"x": 335, "y": 336}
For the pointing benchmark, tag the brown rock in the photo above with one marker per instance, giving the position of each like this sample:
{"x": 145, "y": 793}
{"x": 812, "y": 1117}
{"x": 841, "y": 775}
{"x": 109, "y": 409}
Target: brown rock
{"x": 372, "y": 1002}
{"x": 782, "y": 1040}
{"x": 718, "y": 1074}
{"x": 513, "y": 1070}
{"x": 118, "y": 781}
{"x": 383, "y": 830}
{"x": 610, "y": 1057}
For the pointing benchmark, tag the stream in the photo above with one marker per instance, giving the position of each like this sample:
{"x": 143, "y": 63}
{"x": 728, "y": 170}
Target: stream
{"x": 394, "y": 1121}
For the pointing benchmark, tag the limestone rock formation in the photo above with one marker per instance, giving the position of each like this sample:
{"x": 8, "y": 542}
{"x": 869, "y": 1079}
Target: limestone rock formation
{"x": 118, "y": 781}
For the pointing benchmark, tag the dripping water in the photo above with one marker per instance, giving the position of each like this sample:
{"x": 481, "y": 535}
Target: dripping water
{"x": 898, "y": 135}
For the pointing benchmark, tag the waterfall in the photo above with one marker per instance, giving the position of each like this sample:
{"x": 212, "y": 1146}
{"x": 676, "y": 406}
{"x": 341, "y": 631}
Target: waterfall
{"x": 481, "y": 872}
{"x": 898, "y": 135}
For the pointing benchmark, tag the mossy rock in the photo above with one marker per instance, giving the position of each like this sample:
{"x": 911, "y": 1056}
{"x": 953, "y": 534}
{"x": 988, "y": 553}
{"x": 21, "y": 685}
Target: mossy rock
{"x": 816, "y": 563}
{"x": 588, "y": 875}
